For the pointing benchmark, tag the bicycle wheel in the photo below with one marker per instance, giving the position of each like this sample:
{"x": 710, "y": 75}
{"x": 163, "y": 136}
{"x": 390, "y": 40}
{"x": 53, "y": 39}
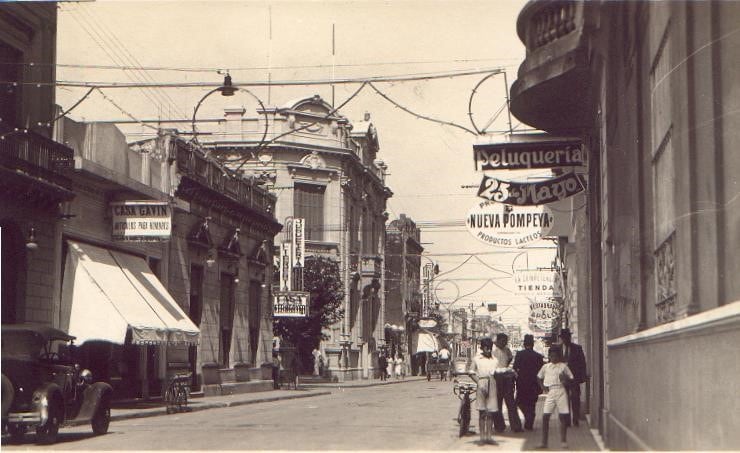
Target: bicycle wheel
{"x": 464, "y": 416}
{"x": 169, "y": 397}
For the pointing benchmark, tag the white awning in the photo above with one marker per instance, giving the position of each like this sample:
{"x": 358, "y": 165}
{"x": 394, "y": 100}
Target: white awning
{"x": 426, "y": 342}
{"x": 106, "y": 293}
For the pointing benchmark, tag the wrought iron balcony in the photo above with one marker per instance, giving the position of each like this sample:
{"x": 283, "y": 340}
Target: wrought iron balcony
{"x": 212, "y": 175}
{"x": 37, "y": 157}
{"x": 552, "y": 90}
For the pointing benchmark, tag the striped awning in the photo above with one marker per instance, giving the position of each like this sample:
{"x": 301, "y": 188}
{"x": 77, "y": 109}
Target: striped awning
{"x": 107, "y": 293}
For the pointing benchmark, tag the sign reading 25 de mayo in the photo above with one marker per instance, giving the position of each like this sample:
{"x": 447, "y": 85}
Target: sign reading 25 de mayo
{"x": 508, "y": 226}
{"x": 141, "y": 220}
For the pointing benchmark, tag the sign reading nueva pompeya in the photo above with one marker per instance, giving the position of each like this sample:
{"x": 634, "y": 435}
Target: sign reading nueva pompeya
{"x": 144, "y": 220}
{"x": 508, "y": 226}
{"x": 530, "y": 194}
{"x": 526, "y": 155}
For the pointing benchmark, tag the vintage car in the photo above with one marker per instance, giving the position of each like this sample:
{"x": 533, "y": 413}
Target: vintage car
{"x": 43, "y": 388}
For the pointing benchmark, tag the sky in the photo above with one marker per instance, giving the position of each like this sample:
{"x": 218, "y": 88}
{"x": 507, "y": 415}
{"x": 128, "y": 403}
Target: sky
{"x": 429, "y": 164}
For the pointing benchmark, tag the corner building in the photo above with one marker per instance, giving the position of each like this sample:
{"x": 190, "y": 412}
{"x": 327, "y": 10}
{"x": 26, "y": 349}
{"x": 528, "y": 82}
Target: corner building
{"x": 652, "y": 90}
{"x": 324, "y": 169}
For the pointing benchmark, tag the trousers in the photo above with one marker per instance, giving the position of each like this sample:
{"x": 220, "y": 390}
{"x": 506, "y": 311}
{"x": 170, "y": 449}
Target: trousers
{"x": 574, "y": 400}
{"x": 505, "y": 394}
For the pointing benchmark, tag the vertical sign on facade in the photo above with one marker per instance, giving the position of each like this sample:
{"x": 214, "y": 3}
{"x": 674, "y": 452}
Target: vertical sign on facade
{"x": 299, "y": 242}
{"x": 286, "y": 266}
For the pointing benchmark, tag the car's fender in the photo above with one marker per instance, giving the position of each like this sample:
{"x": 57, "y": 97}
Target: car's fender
{"x": 45, "y": 396}
{"x": 7, "y": 395}
{"x": 92, "y": 396}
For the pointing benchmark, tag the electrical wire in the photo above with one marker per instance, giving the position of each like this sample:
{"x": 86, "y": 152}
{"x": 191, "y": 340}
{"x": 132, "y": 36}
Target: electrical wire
{"x": 410, "y": 77}
{"x": 447, "y": 123}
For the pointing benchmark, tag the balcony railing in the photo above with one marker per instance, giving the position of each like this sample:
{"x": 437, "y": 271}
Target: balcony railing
{"x": 37, "y": 156}
{"x": 212, "y": 175}
{"x": 552, "y": 21}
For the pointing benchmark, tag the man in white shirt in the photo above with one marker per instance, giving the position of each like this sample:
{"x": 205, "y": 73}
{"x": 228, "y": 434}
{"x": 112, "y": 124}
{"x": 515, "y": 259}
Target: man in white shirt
{"x": 505, "y": 386}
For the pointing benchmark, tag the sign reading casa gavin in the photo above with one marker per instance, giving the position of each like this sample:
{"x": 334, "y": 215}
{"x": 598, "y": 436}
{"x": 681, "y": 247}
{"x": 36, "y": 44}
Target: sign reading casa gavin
{"x": 508, "y": 226}
{"x": 524, "y": 155}
{"x": 141, "y": 220}
{"x": 290, "y": 304}
{"x": 530, "y": 194}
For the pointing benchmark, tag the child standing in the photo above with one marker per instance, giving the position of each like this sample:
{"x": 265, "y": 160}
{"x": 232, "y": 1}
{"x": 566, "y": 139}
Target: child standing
{"x": 553, "y": 378}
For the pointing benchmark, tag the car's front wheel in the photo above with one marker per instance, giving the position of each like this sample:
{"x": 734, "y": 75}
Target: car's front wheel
{"x": 47, "y": 433}
{"x": 101, "y": 419}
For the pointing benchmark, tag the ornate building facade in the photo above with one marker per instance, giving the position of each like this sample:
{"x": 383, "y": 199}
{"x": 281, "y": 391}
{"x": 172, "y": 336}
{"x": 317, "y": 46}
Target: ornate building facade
{"x": 324, "y": 169}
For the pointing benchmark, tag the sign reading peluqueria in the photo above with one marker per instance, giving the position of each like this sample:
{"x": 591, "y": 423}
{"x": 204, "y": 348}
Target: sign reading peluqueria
{"x": 530, "y": 194}
{"x": 526, "y": 155}
{"x": 508, "y": 226}
{"x": 290, "y": 304}
{"x": 141, "y": 220}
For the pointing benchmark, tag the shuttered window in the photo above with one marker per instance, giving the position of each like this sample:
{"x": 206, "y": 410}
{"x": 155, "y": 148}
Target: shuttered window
{"x": 308, "y": 203}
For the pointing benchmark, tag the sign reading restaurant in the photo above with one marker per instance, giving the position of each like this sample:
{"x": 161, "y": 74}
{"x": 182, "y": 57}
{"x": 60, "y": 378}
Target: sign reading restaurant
{"x": 508, "y": 226}
{"x": 290, "y": 304}
{"x": 549, "y": 153}
{"x": 143, "y": 220}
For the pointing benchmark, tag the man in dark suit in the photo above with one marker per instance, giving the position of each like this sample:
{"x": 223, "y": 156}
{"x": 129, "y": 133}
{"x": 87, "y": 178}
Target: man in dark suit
{"x": 527, "y": 364}
{"x": 576, "y": 360}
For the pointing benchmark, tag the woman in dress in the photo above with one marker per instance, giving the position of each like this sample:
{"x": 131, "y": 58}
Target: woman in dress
{"x": 399, "y": 366}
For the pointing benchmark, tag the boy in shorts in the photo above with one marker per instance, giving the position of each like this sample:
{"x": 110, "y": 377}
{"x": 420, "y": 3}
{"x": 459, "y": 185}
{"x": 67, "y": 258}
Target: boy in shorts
{"x": 553, "y": 378}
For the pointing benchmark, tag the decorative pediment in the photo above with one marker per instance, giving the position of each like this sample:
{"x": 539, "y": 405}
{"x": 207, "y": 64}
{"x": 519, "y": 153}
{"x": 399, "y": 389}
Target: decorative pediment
{"x": 200, "y": 236}
{"x": 313, "y": 161}
{"x": 230, "y": 246}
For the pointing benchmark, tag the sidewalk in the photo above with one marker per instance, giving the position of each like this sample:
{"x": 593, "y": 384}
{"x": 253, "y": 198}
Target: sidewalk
{"x": 154, "y": 408}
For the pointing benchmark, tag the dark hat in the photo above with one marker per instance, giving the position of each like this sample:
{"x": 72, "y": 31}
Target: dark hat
{"x": 565, "y": 332}
{"x": 528, "y": 339}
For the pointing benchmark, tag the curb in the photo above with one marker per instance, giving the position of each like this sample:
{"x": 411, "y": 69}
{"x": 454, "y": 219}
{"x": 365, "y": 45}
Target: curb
{"x": 202, "y": 407}
{"x": 340, "y": 385}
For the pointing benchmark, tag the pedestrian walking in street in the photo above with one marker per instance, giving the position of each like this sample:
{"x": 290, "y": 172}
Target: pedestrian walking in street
{"x": 505, "y": 386}
{"x": 390, "y": 368}
{"x": 553, "y": 378}
{"x": 575, "y": 359}
{"x": 527, "y": 364}
{"x": 382, "y": 365}
{"x": 483, "y": 369}
{"x": 399, "y": 367}
{"x": 316, "y": 361}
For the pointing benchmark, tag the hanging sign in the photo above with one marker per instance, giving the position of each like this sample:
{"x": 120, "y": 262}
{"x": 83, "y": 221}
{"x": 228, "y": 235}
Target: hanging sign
{"x": 508, "y": 226}
{"x": 141, "y": 221}
{"x": 290, "y": 304}
{"x": 544, "y": 315}
{"x": 530, "y": 194}
{"x": 531, "y": 283}
{"x": 286, "y": 266}
{"x": 525, "y": 155}
{"x": 299, "y": 242}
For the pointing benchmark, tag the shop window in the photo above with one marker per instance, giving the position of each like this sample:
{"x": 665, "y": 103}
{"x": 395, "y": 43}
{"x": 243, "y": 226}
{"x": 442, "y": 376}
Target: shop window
{"x": 226, "y": 317}
{"x": 255, "y": 314}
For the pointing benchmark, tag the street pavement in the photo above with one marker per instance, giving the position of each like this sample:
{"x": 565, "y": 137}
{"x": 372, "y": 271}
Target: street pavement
{"x": 360, "y": 415}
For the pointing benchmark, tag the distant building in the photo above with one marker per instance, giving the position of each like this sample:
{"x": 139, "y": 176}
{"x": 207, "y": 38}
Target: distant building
{"x": 403, "y": 279}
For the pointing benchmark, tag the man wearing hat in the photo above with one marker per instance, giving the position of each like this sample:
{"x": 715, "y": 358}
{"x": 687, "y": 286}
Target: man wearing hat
{"x": 527, "y": 364}
{"x": 575, "y": 359}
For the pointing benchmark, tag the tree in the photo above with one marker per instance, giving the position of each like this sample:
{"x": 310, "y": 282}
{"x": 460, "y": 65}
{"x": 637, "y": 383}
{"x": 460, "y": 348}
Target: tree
{"x": 322, "y": 279}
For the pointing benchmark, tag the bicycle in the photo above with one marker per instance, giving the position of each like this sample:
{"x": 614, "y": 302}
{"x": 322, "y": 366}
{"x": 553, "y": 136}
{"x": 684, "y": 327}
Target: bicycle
{"x": 177, "y": 392}
{"x": 464, "y": 390}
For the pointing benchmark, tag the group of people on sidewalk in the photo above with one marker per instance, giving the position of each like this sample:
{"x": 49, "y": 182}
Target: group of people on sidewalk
{"x": 391, "y": 367}
{"x": 498, "y": 379}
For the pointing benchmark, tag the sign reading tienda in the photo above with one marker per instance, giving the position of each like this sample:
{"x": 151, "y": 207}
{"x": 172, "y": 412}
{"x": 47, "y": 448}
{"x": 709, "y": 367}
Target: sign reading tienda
{"x": 508, "y": 226}
{"x": 530, "y": 194}
{"x": 526, "y": 155}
